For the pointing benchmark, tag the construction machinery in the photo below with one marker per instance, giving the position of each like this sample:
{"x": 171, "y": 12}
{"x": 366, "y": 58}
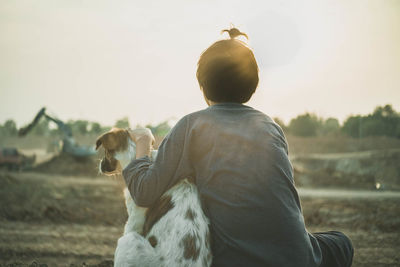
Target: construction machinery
{"x": 69, "y": 146}
{"x": 13, "y": 159}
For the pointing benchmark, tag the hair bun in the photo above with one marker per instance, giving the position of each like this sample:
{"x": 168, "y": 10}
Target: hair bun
{"x": 234, "y": 32}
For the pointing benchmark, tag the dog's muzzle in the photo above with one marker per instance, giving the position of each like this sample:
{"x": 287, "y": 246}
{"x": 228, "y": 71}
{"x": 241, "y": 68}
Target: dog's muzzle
{"x": 108, "y": 165}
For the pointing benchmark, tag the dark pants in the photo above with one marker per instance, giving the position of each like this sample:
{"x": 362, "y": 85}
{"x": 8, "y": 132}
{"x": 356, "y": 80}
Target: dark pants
{"x": 337, "y": 249}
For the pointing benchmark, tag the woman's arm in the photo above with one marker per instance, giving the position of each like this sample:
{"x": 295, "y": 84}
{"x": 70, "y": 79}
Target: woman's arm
{"x": 144, "y": 141}
{"x": 147, "y": 180}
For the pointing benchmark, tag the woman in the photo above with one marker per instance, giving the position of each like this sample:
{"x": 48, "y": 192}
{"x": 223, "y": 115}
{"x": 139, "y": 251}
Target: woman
{"x": 238, "y": 158}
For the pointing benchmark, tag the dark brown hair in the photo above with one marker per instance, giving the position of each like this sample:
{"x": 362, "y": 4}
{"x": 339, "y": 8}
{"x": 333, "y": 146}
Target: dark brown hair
{"x": 227, "y": 71}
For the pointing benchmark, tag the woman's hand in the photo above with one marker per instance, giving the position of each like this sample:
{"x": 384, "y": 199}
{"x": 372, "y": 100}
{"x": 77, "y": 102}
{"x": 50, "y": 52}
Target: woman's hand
{"x": 144, "y": 141}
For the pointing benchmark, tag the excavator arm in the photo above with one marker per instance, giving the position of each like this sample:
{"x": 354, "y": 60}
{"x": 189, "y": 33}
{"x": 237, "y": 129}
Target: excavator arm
{"x": 69, "y": 145}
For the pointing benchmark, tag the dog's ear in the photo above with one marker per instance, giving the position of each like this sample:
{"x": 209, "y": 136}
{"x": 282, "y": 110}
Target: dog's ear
{"x": 98, "y": 143}
{"x": 99, "y": 140}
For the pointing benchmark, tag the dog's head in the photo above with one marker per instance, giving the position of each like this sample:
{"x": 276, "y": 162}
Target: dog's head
{"x": 119, "y": 149}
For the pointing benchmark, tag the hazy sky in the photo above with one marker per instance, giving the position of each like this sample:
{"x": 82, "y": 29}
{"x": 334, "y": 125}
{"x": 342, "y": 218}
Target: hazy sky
{"x": 103, "y": 60}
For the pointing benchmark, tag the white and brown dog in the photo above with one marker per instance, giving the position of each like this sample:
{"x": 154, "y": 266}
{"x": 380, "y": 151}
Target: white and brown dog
{"x": 172, "y": 232}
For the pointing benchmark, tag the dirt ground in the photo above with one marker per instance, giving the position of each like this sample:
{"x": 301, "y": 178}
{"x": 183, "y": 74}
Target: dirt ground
{"x": 55, "y": 220}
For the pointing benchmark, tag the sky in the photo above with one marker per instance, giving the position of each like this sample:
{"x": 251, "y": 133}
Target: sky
{"x": 103, "y": 60}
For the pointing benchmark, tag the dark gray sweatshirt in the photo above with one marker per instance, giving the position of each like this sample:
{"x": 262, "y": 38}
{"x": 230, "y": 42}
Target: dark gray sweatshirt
{"x": 238, "y": 157}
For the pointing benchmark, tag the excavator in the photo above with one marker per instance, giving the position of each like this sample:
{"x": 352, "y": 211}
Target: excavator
{"x": 69, "y": 146}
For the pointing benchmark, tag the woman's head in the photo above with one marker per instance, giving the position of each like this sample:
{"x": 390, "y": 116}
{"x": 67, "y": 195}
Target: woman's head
{"x": 227, "y": 71}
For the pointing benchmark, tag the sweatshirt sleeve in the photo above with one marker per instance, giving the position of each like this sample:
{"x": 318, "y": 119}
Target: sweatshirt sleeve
{"x": 147, "y": 180}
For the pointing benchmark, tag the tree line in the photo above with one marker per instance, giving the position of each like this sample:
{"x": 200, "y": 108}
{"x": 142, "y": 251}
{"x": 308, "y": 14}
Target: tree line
{"x": 78, "y": 127}
{"x": 383, "y": 121}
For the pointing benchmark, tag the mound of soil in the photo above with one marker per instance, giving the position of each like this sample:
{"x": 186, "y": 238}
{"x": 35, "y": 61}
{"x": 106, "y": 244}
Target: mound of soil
{"x": 68, "y": 165}
{"x": 50, "y": 198}
{"x": 378, "y": 169}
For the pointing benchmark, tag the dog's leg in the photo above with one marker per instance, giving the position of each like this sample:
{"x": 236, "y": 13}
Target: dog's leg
{"x": 136, "y": 215}
{"x": 133, "y": 250}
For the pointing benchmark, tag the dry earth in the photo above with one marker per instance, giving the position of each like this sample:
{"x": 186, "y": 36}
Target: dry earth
{"x": 56, "y": 220}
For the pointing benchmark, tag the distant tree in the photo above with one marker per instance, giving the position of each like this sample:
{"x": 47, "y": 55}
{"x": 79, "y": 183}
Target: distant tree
{"x": 351, "y": 126}
{"x": 384, "y": 121}
{"x": 397, "y": 131}
{"x": 79, "y": 126}
{"x": 388, "y": 119}
{"x": 329, "y": 126}
{"x": 95, "y": 128}
{"x": 373, "y": 126}
{"x": 281, "y": 124}
{"x": 305, "y": 125}
{"x": 385, "y": 111}
{"x": 122, "y": 123}
{"x": 105, "y": 129}
{"x": 9, "y": 128}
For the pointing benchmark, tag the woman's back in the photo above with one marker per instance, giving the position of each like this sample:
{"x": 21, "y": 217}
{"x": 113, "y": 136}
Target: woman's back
{"x": 240, "y": 163}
